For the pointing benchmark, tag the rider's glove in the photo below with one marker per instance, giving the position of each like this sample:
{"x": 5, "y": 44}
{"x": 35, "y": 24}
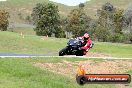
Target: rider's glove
{"x": 79, "y": 48}
{"x": 91, "y": 45}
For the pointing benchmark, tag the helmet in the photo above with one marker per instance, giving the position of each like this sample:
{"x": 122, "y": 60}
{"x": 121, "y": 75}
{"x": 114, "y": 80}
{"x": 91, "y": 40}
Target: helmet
{"x": 86, "y": 36}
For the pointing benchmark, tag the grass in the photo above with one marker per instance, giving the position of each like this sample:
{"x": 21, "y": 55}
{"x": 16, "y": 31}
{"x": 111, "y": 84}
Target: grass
{"x": 14, "y": 43}
{"x": 23, "y": 74}
{"x": 31, "y": 44}
{"x": 20, "y": 73}
{"x": 25, "y": 31}
{"x": 114, "y": 49}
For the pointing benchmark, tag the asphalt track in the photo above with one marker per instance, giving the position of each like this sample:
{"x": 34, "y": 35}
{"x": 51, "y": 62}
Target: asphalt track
{"x": 13, "y": 55}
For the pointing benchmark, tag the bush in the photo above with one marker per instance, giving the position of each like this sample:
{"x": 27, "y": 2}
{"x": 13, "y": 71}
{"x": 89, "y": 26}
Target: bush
{"x": 4, "y": 20}
{"x": 130, "y": 37}
{"x": 117, "y": 37}
{"x": 60, "y": 33}
{"x": 102, "y": 34}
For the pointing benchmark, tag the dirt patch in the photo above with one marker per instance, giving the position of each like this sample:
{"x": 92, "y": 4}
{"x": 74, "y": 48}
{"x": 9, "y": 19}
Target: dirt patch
{"x": 65, "y": 68}
{"x": 69, "y": 69}
{"x": 92, "y": 67}
{"x": 108, "y": 67}
{"x": 93, "y": 54}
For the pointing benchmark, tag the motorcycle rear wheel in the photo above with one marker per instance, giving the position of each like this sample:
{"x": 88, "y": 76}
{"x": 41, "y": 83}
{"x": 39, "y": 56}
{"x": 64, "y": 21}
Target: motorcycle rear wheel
{"x": 79, "y": 53}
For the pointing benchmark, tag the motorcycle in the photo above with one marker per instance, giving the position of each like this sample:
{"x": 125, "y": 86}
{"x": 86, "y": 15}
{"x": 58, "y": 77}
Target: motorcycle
{"x": 73, "y": 48}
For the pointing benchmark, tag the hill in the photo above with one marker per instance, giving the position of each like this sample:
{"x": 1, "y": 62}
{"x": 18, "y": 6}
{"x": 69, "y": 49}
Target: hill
{"x": 24, "y": 7}
{"x": 92, "y": 6}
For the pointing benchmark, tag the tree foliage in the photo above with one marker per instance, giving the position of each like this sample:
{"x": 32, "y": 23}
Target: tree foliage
{"x": 4, "y": 20}
{"x": 81, "y": 5}
{"x": 110, "y": 18}
{"x": 102, "y": 34}
{"x": 128, "y": 17}
{"x": 108, "y": 27}
{"x": 110, "y": 23}
{"x": 108, "y": 7}
{"x": 77, "y": 21}
{"x": 118, "y": 20}
{"x": 47, "y": 19}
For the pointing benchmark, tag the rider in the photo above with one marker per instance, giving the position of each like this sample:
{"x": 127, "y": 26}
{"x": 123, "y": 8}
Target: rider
{"x": 87, "y": 43}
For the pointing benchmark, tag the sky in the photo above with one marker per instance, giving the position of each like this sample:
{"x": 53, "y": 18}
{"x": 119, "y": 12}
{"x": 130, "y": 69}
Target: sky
{"x": 2, "y": 0}
{"x": 70, "y": 2}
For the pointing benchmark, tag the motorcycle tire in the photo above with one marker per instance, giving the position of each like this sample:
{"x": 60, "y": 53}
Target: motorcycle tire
{"x": 79, "y": 53}
{"x": 63, "y": 51}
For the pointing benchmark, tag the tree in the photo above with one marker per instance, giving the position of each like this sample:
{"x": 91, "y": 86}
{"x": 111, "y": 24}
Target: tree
{"x": 110, "y": 23}
{"x": 111, "y": 18}
{"x": 108, "y": 7}
{"x": 118, "y": 21}
{"x": 77, "y": 21}
{"x": 105, "y": 15}
{"x": 4, "y": 20}
{"x": 128, "y": 17}
{"x": 102, "y": 34}
{"x": 81, "y": 5}
{"x": 130, "y": 37}
{"x": 47, "y": 19}
{"x": 92, "y": 28}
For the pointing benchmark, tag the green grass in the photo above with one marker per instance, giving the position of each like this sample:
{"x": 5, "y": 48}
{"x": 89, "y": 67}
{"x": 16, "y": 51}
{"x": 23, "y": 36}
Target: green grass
{"x": 20, "y": 73}
{"x": 25, "y": 31}
{"x": 114, "y": 49}
{"x": 31, "y": 44}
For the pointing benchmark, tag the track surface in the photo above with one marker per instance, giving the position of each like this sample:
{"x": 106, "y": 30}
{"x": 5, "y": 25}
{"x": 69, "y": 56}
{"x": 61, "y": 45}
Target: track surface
{"x": 4, "y": 55}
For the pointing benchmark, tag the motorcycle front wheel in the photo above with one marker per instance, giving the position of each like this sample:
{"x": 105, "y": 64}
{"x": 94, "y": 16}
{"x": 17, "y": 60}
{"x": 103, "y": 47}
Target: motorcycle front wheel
{"x": 63, "y": 51}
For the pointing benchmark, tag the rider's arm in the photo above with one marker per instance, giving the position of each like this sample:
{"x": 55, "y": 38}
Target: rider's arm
{"x": 87, "y": 46}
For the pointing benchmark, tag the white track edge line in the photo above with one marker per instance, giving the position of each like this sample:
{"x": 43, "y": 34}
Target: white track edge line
{"x": 63, "y": 57}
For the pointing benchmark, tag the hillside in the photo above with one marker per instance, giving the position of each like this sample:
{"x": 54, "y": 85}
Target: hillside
{"x": 24, "y": 7}
{"x": 92, "y": 6}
